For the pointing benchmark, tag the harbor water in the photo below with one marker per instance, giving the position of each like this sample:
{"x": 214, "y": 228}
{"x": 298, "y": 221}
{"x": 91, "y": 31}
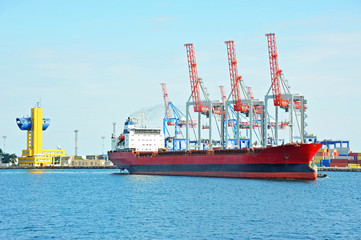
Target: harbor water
{"x": 100, "y": 204}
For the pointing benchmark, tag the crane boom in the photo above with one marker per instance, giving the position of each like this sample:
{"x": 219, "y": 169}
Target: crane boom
{"x": 166, "y": 100}
{"x": 194, "y": 79}
{"x": 223, "y": 94}
{"x": 250, "y": 92}
{"x": 275, "y": 72}
{"x": 235, "y": 78}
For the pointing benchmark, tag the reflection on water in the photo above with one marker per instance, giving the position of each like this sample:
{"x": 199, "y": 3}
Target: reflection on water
{"x": 36, "y": 171}
{"x": 140, "y": 178}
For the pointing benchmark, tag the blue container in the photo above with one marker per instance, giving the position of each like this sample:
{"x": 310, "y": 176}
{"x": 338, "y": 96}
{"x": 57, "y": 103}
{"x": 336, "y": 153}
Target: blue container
{"x": 325, "y": 162}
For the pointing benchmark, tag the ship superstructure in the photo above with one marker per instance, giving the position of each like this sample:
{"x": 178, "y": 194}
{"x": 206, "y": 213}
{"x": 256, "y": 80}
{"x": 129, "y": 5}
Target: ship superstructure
{"x": 139, "y": 138}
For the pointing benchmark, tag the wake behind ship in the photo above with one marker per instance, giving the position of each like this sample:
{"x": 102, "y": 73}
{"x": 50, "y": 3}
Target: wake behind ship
{"x": 138, "y": 152}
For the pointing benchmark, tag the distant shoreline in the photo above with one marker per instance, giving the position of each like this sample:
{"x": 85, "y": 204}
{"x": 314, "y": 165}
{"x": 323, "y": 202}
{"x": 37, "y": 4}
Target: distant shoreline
{"x": 334, "y": 169}
{"x": 60, "y": 167}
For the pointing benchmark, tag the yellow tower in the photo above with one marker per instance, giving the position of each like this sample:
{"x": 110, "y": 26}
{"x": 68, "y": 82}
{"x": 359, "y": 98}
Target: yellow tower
{"x": 34, "y": 155}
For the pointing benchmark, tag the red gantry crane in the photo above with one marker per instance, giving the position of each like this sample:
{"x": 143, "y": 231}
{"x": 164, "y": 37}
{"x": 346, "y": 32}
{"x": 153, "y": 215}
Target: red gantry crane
{"x": 288, "y": 101}
{"x": 200, "y": 107}
{"x": 235, "y": 78}
{"x": 249, "y": 101}
{"x": 275, "y": 72}
{"x": 194, "y": 79}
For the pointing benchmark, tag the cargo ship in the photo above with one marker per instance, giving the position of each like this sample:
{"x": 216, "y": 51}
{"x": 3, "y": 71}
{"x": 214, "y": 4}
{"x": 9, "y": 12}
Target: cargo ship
{"x": 141, "y": 151}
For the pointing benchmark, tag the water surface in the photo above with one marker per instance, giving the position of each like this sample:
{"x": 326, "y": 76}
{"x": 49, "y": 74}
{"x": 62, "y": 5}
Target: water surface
{"x": 99, "y": 204}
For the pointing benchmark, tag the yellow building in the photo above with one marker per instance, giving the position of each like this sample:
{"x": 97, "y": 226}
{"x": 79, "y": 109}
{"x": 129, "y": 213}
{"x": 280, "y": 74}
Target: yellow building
{"x": 34, "y": 155}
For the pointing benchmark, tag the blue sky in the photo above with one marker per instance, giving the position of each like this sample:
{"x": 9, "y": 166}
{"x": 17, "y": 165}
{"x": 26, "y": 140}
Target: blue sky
{"x": 96, "y": 62}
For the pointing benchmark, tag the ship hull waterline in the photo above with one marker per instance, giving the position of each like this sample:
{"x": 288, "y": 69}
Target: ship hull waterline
{"x": 280, "y": 162}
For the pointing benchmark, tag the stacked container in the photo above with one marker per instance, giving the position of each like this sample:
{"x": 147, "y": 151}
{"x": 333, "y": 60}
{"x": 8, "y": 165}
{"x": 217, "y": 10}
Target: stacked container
{"x": 320, "y": 155}
{"x": 355, "y": 162}
{"x": 337, "y": 157}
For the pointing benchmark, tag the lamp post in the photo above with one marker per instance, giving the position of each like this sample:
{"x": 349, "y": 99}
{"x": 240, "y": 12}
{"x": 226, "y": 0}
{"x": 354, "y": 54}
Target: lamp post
{"x": 103, "y": 145}
{"x": 4, "y": 144}
{"x": 76, "y": 142}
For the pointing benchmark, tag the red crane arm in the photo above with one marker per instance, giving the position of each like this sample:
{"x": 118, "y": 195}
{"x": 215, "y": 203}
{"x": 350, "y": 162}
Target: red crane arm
{"x": 193, "y": 75}
{"x": 235, "y": 78}
{"x": 166, "y": 100}
{"x": 275, "y": 71}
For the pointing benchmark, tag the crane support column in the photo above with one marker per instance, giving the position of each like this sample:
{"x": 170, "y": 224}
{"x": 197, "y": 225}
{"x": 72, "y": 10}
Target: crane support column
{"x": 199, "y": 142}
{"x": 265, "y": 121}
{"x": 210, "y": 125}
{"x": 276, "y": 127}
{"x": 222, "y": 126}
{"x": 262, "y": 123}
{"x": 291, "y": 118}
{"x": 237, "y": 131}
{"x": 251, "y": 123}
{"x": 187, "y": 125}
{"x": 302, "y": 119}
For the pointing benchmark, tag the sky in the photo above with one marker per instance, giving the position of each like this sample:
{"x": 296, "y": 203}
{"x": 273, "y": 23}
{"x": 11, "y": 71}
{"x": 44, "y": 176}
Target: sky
{"x": 91, "y": 63}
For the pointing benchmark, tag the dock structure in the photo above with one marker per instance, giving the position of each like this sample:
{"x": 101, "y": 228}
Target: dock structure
{"x": 339, "y": 169}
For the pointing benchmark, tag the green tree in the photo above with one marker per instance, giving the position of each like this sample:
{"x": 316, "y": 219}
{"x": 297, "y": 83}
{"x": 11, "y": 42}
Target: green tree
{"x": 7, "y": 158}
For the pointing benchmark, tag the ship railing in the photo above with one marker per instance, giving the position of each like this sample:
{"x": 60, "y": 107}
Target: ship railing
{"x": 257, "y": 150}
{"x": 143, "y": 154}
{"x": 198, "y": 152}
{"x": 232, "y": 151}
{"x": 171, "y": 153}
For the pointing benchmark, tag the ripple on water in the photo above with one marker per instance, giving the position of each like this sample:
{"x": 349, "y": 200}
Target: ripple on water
{"x": 81, "y": 204}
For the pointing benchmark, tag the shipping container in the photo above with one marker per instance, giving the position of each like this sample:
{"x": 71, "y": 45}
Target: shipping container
{"x": 322, "y": 150}
{"x": 343, "y": 149}
{"x": 352, "y": 161}
{"x": 325, "y": 163}
{"x": 354, "y": 165}
{"x": 343, "y": 157}
{"x": 338, "y": 164}
{"x": 321, "y": 154}
{"x": 339, "y": 161}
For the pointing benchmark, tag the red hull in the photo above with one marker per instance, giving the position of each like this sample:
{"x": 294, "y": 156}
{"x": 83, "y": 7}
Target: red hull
{"x": 281, "y": 162}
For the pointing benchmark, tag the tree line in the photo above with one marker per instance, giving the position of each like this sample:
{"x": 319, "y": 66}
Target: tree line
{"x": 7, "y": 158}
